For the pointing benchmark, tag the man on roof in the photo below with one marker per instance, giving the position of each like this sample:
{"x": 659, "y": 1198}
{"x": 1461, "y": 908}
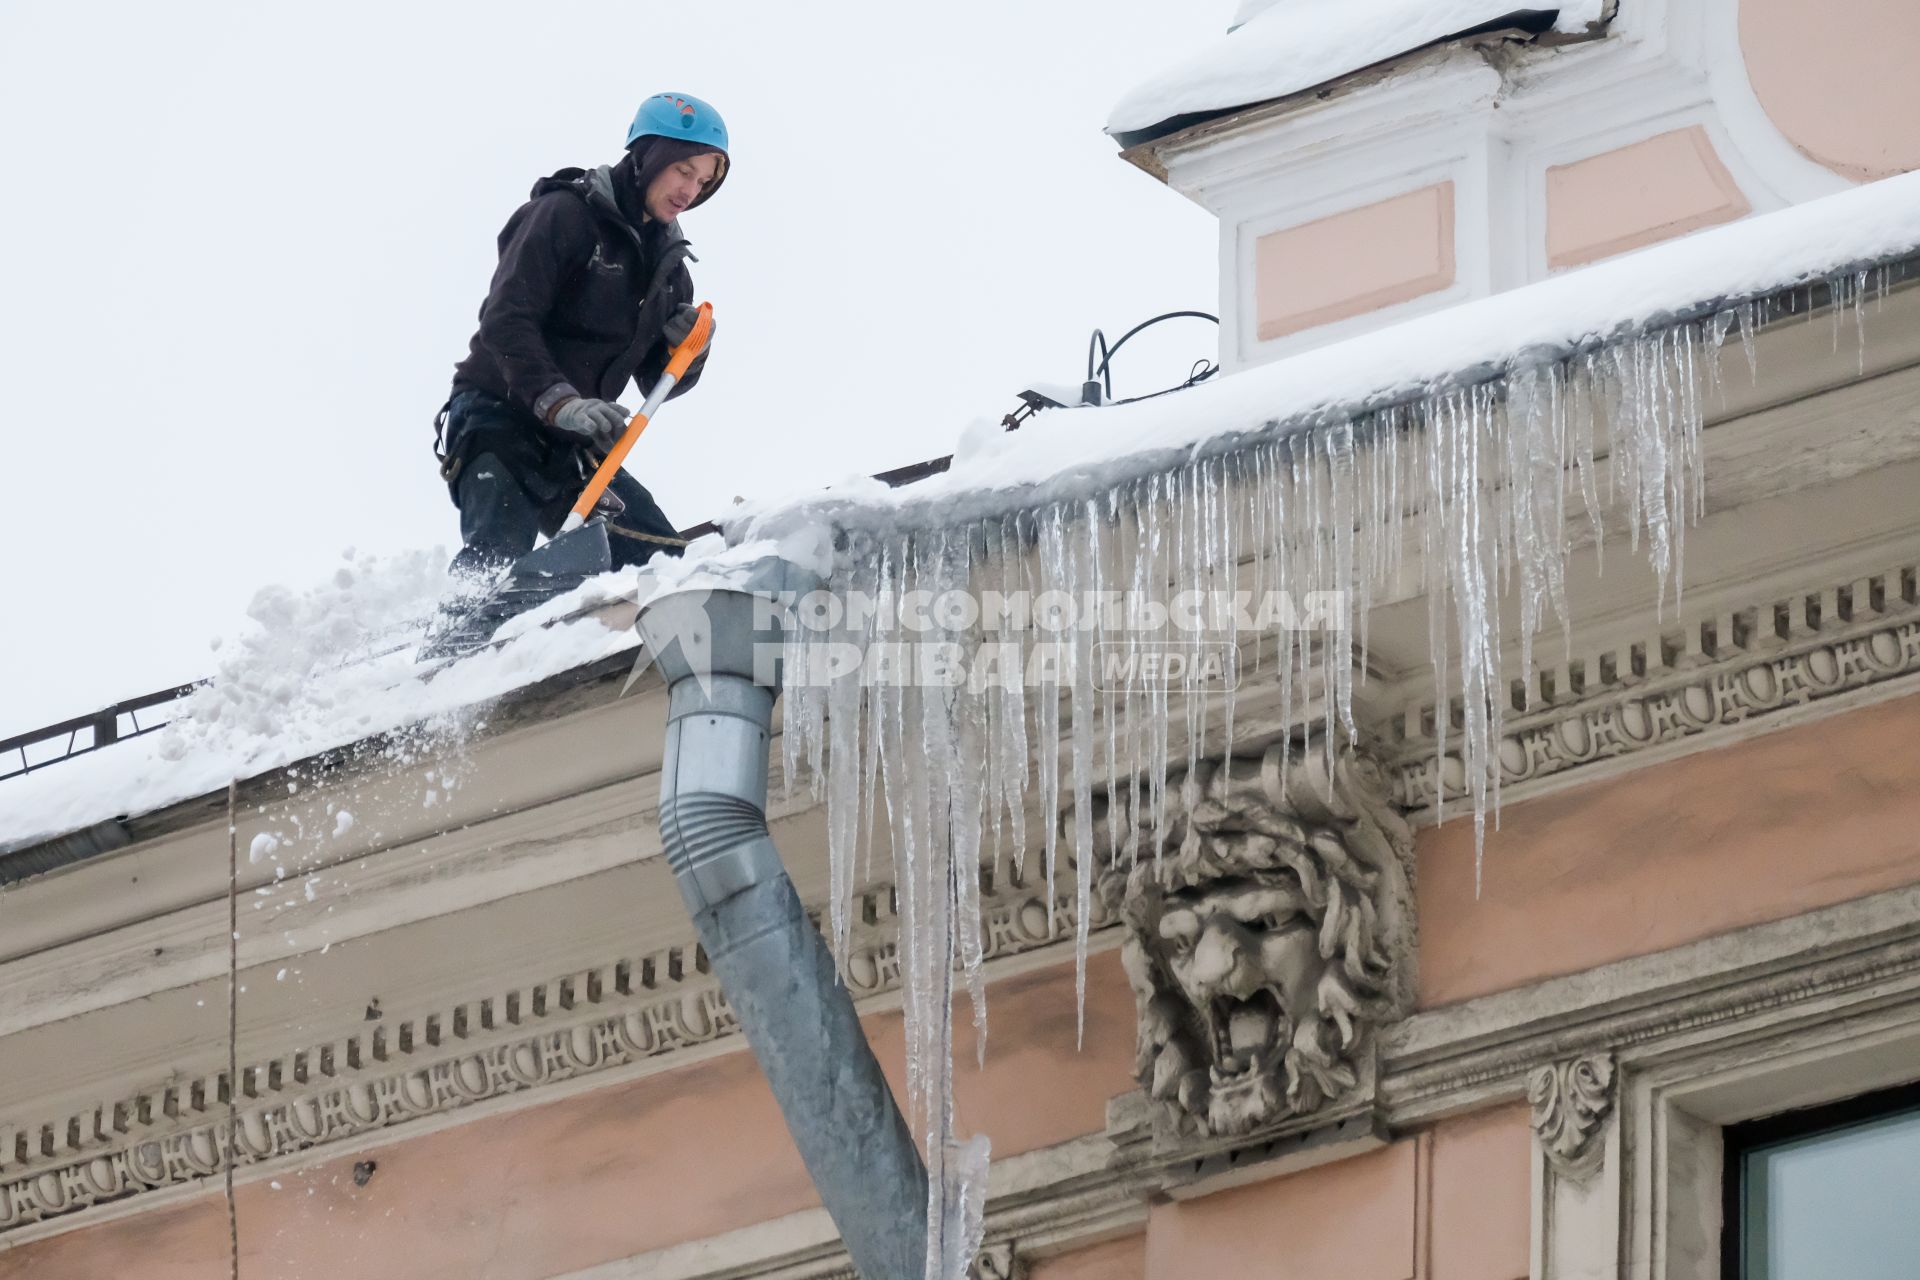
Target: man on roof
{"x": 592, "y": 291}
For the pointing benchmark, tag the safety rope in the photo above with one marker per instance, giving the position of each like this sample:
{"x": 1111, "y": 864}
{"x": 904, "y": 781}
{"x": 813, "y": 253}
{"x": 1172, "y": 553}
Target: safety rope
{"x": 638, "y": 536}
{"x": 233, "y": 1019}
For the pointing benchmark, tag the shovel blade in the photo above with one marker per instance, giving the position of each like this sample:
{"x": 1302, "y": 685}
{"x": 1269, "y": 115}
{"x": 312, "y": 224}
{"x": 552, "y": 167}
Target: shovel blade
{"x": 543, "y": 574}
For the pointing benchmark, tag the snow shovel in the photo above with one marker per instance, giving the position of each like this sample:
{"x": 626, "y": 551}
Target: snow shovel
{"x": 580, "y": 550}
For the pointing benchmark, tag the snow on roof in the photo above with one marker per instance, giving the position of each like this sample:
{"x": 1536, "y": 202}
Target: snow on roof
{"x": 1297, "y": 44}
{"x": 1077, "y": 452}
{"x": 333, "y": 665}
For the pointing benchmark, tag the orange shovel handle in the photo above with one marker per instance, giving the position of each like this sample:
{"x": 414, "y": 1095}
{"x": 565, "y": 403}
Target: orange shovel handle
{"x": 693, "y": 344}
{"x": 609, "y": 465}
{"x": 677, "y": 364}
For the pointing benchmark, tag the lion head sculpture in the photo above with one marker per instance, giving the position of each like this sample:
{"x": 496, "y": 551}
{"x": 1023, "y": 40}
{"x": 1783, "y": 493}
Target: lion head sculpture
{"x": 1254, "y": 948}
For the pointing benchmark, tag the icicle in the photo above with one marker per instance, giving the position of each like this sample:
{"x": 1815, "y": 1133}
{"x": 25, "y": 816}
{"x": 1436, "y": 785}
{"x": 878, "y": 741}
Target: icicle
{"x": 1014, "y": 750}
{"x": 1342, "y": 515}
{"x": 965, "y": 714}
{"x": 843, "y": 791}
{"x": 1053, "y": 559}
{"x": 1084, "y": 578}
{"x": 1188, "y": 573}
{"x": 1748, "y": 314}
{"x": 1233, "y": 489}
{"x": 993, "y": 719}
{"x": 1858, "y": 306}
{"x": 1155, "y": 764}
{"x": 1145, "y": 533}
{"x": 1110, "y": 705}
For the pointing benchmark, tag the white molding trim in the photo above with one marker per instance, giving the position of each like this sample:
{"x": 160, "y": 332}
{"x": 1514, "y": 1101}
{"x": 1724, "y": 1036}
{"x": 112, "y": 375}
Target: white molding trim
{"x": 1803, "y": 969}
{"x": 1494, "y": 123}
{"x": 1787, "y": 174}
{"x": 1029, "y": 1216}
{"x": 619, "y": 1020}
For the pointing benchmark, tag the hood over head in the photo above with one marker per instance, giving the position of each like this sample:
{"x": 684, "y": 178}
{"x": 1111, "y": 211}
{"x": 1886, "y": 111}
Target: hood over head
{"x": 648, "y": 156}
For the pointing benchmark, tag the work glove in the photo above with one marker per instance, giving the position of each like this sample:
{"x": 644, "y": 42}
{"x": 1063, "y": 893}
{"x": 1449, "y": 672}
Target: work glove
{"x": 680, "y": 324}
{"x": 595, "y": 422}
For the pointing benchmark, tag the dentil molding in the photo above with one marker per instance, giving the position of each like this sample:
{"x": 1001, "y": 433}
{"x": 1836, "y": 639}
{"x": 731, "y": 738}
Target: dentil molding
{"x": 1720, "y": 677}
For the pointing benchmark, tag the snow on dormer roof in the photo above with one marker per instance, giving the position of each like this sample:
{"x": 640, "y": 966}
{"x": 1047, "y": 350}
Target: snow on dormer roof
{"x": 1281, "y": 47}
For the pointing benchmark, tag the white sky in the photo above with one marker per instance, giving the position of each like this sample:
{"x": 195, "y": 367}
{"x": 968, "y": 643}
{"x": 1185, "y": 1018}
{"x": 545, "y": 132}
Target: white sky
{"x": 242, "y": 244}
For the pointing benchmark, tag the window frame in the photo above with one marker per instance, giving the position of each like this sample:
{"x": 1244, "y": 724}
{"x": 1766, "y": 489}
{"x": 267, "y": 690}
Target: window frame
{"x": 1742, "y": 1139}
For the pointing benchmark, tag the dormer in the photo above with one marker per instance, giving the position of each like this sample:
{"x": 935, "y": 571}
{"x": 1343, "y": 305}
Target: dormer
{"x": 1370, "y": 160}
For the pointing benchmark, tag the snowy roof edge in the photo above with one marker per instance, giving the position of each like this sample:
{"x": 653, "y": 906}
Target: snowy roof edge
{"x": 32, "y": 851}
{"x": 1291, "y": 49}
{"x": 1075, "y": 452}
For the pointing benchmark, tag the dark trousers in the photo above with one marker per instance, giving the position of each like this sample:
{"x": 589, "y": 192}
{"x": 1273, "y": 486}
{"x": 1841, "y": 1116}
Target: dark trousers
{"x": 511, "y": 481}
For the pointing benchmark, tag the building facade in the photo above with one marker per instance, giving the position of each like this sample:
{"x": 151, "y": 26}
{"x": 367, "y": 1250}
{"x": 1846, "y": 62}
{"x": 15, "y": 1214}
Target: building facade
{"x": 476, "y": 1038}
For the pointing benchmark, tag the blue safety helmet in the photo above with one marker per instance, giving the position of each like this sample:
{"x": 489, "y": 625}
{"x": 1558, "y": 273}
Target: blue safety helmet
{"x": 676, "y": 115}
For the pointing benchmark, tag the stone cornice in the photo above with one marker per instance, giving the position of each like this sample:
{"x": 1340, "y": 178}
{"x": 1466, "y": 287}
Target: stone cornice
{"x": 1041, "y": 1202}
{"x": 1816, "y": 965}
{"x": 629, "y": 1016}
{"x": 1714, "y": 679}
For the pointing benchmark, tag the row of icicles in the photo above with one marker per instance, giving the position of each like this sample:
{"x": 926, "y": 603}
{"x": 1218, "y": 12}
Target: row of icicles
{"x": 1482, "y": 490}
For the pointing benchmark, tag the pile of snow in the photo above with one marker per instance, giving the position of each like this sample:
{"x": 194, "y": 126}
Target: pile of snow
{"x": 308, "y": 653}
{"x": 333, "y": 665}
{"x": 710, "y": 564}
{"x": 314, "y": 670}
{"x": 1280, "y": 48}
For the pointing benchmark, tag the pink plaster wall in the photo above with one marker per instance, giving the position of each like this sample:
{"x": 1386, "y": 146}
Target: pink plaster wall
{"x": 1653, "y": 190}
{"x": 618, "y": 1171}
{"x": 1354, "y": 262}
{"x": 1481, "y": 1216}
{"x": 1769, "y": 828}
{"x": 530, "y": 1194}
{"x": 1353, "y": 1219}
{"x": 1837, "y": 78}
{"x": 1448, "y": 1204}
{"x": 1122, "y": 1259}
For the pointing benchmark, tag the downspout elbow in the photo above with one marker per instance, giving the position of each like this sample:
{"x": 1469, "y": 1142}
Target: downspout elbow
{"x": 776, "y": 970}
{"x": 713, "y": 816}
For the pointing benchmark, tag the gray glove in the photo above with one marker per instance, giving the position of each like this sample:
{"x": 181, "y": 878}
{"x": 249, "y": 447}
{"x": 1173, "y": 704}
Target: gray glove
{"x": 680, "y": 324}
{"x": 596, "y": 422}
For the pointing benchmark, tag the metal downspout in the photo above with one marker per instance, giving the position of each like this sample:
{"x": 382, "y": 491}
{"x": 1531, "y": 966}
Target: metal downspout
{"x": 771, "y": 961}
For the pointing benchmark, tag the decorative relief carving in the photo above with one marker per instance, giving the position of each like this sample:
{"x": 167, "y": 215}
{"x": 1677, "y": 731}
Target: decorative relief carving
{"x": 1000, "y": 1261}
{"x": 71, "y": 1166}
{"x": 1730, "y": 692}
{"x": 1269, "y": 920}
{"x": 1571, "y": 1101}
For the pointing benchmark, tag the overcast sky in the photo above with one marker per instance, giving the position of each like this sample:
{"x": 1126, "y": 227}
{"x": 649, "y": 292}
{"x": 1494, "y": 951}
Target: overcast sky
{"x": 242, "y": 244}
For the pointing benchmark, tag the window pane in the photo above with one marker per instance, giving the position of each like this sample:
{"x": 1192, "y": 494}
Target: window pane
{"x": 1843, "y": 1205}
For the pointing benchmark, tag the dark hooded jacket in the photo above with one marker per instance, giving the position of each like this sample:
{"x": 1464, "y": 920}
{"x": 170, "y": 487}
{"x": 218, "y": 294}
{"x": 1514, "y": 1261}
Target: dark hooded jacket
{"x": 581, "y": 297}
